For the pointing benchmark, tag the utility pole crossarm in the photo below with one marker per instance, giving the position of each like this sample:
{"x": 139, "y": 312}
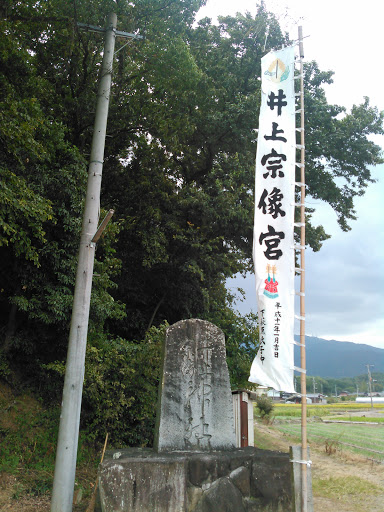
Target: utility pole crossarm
{"x": 118, "y": 33}
{"x": 90, "y": 28}
{"x": 128, "y": 35}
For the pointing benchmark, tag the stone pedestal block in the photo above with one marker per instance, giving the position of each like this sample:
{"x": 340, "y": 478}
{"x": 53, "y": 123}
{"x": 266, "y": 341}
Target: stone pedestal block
{"x": 195, "y": 466}
{"x": 140, "y": 484}
{"x": 241, "y": 480}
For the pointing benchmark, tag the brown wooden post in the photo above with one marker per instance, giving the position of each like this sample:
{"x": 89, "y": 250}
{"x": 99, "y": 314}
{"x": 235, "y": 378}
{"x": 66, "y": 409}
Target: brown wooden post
{"x": 304, "y": 444}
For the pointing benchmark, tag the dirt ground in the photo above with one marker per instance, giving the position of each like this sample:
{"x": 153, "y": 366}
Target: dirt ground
{"x": 9, "y": 503}
{"x": 339, "y": 467}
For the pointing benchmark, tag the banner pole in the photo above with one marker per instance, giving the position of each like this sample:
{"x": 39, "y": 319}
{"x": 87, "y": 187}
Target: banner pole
{"x": 304, "y": 444}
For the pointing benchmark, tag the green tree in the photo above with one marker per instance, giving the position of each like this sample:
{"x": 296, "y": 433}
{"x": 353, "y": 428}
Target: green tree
{"x": 37, "y": 169}
{"x": 41, "y": 196}
{"x": 184, "y": 187}
{"x": 338, "y": 150}
{"x": 181, "y": 143}
{"x": 120, "y": 387}
{"x": 241, "y": 335}
{"x": 179, "y": 167}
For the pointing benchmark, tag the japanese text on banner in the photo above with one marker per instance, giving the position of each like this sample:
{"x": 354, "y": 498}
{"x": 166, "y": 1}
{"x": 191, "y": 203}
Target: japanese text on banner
{"x": 274, "y": 217}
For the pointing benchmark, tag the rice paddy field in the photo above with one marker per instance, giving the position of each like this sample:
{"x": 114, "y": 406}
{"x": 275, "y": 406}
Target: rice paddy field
{"x": 343, "y": 408}
{"x": 350, "y": 427}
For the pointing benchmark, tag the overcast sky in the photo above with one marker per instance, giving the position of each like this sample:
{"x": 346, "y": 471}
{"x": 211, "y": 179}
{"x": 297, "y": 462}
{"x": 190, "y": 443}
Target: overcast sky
{"x": 345, "y": 280}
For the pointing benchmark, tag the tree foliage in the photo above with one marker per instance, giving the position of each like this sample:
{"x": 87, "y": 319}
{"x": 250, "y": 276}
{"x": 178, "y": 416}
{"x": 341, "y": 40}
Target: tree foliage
{"x": 331, "y": 386}
{"x": 265, "y": 406}
{"x": 120, "y": 387}
{"x": 338, "y": 149}
{"x": 178, "y": 171}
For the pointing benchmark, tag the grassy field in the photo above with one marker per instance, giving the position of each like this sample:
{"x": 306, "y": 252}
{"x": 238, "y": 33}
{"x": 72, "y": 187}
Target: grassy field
{"x": 365, "y": 440}
{"x": 365, "y": 419}
{"x": 294, "y": 410}
{"x": 347, "y": 469}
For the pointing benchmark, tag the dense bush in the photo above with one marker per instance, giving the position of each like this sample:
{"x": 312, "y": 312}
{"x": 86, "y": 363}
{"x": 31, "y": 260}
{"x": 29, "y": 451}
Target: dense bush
{"x": 332, "y": 400}
{"x": 120, "y": 388}
{"x": 265, "y": 406}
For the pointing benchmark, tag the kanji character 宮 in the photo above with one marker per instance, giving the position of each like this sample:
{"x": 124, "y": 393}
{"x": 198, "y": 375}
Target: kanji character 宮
{"x": 272, "y": 240}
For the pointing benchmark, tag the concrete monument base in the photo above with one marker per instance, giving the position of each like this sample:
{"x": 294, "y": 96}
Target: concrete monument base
{"x": 239, "y": 480}
{"x": 195, "y": 466}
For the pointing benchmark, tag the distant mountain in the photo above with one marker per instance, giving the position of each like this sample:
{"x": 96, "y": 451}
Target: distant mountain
{"x": 337, "y": 359}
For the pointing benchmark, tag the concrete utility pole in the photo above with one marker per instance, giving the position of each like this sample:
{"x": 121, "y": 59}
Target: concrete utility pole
{"x": 66, "y": 455}
{"x": 370, "y": 381}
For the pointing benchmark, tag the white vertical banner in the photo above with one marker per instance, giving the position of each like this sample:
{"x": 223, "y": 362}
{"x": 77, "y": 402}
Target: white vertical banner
{"x": 273, "y": 242}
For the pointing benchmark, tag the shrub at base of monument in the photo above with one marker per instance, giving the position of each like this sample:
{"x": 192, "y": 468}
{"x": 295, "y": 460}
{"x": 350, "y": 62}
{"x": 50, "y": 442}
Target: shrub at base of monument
{"x": 195, "y": 466}
{"x": 241, "y": 480}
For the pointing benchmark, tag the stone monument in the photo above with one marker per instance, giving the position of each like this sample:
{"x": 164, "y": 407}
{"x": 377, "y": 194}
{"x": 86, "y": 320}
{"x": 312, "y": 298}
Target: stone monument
{"x": 195, "y": 399}
{"x": 194, "y": 466}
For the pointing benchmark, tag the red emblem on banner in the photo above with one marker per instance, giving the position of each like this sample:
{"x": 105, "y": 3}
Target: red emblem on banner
{"x": 271, "y": 283}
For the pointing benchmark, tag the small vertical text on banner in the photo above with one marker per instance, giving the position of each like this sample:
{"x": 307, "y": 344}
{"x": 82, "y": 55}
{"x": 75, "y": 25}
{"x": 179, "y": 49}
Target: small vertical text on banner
{"x": 273, "y": 239}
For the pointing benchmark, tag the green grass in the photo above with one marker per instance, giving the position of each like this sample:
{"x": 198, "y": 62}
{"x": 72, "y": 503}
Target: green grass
{"x": 365, "y": 419}
{"x": 355, "y": 493}
{"x": 366, "y": 440}
{"x": 28, "y": 438}
{"x": 322, "y": 410}
{"x": 264, "y": 441}
{"x": 337, "y": 487}
{"x": 337, "y": 411}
